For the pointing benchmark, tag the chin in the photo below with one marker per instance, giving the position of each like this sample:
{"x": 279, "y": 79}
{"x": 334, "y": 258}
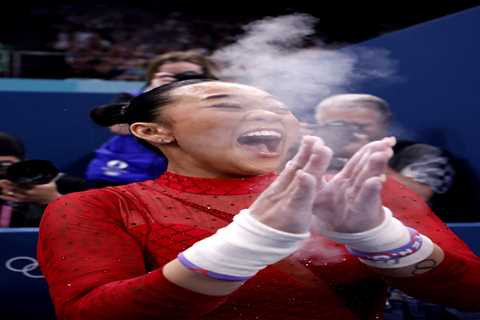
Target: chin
{"x": 259, "y": 167}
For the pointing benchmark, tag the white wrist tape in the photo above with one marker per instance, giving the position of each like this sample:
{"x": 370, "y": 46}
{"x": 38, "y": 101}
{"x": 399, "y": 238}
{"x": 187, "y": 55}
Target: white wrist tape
{"x": 390, "y": 234}
{"x": 241, "y": 249}
{"x": 385, "y": 243}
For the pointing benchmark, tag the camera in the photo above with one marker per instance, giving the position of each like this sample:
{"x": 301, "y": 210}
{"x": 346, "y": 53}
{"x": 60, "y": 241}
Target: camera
{"x": 3, "y": 168}
{"x": 28, "y": 173}
{"x": 190, "y": 75}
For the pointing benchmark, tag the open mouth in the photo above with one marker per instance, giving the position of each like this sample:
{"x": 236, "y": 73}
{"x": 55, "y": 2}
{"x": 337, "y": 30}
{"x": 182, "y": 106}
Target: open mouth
{"x": 262, "y": 141}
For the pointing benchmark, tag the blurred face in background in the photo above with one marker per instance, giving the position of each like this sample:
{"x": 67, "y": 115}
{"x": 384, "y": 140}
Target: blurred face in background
{"x": 166, "y": 72}
{"x": 225, "y": 130}
{"x": 351, "y": 125}
{"x": 179, "y": 67}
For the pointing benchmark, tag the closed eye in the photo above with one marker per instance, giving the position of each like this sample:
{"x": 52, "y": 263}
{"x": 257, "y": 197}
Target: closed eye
{"x": 234, "y": 107}
{"x": 279, "y": 110}
{"x": 226, "y": 106}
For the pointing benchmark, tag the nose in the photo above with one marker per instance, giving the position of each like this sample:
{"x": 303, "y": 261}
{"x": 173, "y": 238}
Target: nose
{"x": 262, "y": 115}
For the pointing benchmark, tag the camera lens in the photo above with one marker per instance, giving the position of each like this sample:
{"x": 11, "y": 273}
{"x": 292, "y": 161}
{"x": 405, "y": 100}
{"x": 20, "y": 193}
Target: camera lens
{"x": 29, "y": 173}
{"x": 189, "y": 75}
{"x": 3, "y": 168}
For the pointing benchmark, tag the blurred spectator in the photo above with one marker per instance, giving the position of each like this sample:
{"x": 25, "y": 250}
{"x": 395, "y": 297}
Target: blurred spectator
{"x": 122, "y": 159}
{"x": 63, "y": 41}
{"x": 347, "y": 122}
{"x": 115, "y": 41}
{"x": 178, "y": 65}
{"x": 22, "y": 206}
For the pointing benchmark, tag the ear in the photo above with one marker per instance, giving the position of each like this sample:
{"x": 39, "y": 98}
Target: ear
{"x": 156, "y": 134}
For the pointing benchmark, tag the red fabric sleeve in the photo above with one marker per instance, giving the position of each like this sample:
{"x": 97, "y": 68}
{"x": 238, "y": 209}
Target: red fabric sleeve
{"x": 456, "y": 281}
{"x": 96, "y": 270}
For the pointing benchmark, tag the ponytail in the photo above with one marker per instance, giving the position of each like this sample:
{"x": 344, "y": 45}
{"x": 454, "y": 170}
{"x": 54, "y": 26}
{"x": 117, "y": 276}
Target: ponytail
{"x": 109, "y": 114}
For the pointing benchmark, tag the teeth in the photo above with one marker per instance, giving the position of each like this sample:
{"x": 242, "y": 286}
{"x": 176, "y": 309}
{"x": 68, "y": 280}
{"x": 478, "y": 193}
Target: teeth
{"x": 263, "y": 133}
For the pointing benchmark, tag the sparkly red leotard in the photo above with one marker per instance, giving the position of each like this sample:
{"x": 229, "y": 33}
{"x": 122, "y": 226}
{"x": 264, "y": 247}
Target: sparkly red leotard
{"x": 102, "y": 252}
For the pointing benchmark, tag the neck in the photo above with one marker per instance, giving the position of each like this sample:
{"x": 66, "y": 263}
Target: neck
{"x": 188, "y": 167}
{"x": 182, "y": 163}
{"x": 196, "y": 171}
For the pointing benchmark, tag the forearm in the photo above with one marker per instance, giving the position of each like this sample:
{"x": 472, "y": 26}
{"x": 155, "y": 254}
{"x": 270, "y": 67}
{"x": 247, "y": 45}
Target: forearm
{"x": 449, "y": 278}
{"x": 176, "y": 273}
{"x": 454, "y": 282}
{"x": 450, "y": 275}
{"x": 221, "y": 263}
{"x": 426, "y": 265}
{"x": 104, "y": 276}
{"x": 150, "y": 296}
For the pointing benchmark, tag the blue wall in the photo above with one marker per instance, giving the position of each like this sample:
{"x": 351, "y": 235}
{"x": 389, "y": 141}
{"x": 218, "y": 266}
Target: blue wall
{"x": 437, "y": 100}
{"x": 51, "y": 116}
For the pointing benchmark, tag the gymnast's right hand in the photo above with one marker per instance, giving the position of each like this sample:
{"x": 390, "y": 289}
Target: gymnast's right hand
{"x": 287, "y": 204}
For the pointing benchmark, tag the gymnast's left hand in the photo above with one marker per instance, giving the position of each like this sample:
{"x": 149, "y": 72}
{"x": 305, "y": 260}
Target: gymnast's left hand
{"x": 350, "y": 201}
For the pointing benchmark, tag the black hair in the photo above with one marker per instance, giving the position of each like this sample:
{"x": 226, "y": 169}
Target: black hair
{"x": 142, "y": 108}
{"x": 108, "y": 115}
{"x": 11, "y": 146}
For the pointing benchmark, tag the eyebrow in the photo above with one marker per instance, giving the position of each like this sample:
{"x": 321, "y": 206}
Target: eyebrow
{"x": 226, "y": 104}
{"x": 226, "y": 95}
{"x": 221, "y": 96}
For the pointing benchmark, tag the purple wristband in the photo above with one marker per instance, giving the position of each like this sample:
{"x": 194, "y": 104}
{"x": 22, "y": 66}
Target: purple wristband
{"x": 411, "y": 247}
{"x": 219, "y": 276}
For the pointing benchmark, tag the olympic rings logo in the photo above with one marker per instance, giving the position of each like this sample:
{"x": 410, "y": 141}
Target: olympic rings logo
{"x": 23, "y": 265}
